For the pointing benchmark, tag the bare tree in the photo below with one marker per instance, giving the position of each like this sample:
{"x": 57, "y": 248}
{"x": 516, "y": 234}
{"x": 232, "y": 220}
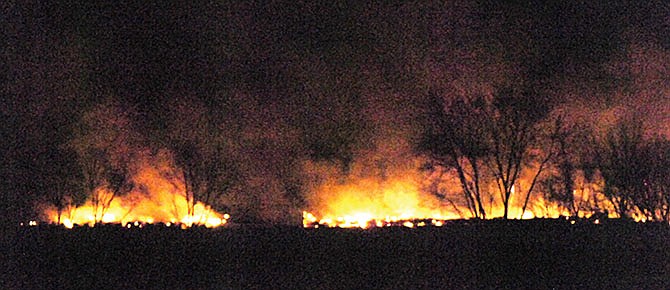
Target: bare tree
{"x": 621, "y": 165}
{"x": 571, "y": 144}
{"x": 547, "y": 151}
{"x": 511, "y": 128}
{"x": 205, "y": 173}
{"x": 487, "y": 138}
{"x": 103, "y": 142}
{"x": 652, "y": 196}
{"x": 62, "y": 184}
{"x": 95, "y": 167}
{"x": 455, "y": 143}
{"x": 201, "y": 150}
{"x": 635, "y": 171}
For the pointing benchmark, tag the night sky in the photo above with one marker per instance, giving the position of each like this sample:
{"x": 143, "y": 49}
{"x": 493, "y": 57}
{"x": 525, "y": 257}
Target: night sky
{"x": 309, "y": 81}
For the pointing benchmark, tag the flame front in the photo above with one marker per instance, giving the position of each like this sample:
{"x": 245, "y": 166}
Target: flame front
{"x": 158, "y": 197}
{"x": 373, "y": 202}
{"x": 402, "y": 199}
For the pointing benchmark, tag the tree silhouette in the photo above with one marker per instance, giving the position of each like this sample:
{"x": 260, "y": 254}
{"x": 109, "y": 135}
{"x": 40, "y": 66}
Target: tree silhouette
{"x": 621, "y": 165}
{"x": 456, "y": 142}
{"x": 572, "y": 168}
{"x": 635, "y": 171}
{"x": 512, "y": 126}
{"x": 201, "y": 151}
{"x": 487, "y": 139}
{"x": 103, "y": 143}
{"x": 654, "y": 200}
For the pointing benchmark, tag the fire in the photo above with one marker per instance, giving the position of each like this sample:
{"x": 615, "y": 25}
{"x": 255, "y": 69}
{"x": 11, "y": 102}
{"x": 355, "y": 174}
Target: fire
{"x": 401, "y": 199}
{"x": 371, "y": 202}
{"x": 157, "y": 198}
{"x": 148, "y": 210}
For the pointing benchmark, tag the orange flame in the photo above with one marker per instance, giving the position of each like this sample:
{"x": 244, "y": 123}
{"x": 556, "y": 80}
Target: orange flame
{"x": 400, "y": 201}
{"x": 158, "y": 198}
{"x": 369, "y": 202}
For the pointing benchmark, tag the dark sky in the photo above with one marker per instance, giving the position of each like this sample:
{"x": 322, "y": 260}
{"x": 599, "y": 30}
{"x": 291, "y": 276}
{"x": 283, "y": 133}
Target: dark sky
{"x": 321, "y": 69}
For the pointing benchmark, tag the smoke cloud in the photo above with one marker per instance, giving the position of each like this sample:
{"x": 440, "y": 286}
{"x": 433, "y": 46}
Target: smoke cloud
{"x": 308, "y": 95}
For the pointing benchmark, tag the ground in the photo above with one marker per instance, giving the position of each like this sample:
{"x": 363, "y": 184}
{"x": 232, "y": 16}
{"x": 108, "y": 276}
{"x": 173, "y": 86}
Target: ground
{"x": 539, "y": 254}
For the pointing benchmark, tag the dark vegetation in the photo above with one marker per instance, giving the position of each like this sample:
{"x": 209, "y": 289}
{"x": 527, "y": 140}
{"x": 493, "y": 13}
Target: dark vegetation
{"x": 534, "y": 254}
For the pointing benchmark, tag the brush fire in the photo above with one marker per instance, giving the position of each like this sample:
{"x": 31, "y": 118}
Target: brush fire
{"x": 370, "y": 202}
{"x": 407, "y": 197}
{"x": 158, "y": 197}
{"x": 363, "y": 198}
{"x": 389, "y": 188}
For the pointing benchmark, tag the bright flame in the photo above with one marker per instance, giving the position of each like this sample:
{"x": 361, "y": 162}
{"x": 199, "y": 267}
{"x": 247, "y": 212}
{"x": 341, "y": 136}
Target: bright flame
{"x": 369, "y": 202}
{"x": 160, "y": 200}
{"x": 400, "y": 199}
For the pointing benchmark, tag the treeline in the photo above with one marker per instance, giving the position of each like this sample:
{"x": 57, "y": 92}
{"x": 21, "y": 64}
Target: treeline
{"x": 501, "y": 149}
{"x": 504, "y": 147}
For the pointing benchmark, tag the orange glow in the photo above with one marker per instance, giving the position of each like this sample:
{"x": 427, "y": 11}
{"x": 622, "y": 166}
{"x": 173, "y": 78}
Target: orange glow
{"x": 400, "y": 199}
{"x": 371, "y": 202}
{"x": 158, "y": 198}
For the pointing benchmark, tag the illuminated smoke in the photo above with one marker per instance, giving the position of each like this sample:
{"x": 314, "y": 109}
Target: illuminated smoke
{"x": 158, "y": 197}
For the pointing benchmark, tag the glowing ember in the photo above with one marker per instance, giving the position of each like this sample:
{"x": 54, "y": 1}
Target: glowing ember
{"x": 158, "y": 198}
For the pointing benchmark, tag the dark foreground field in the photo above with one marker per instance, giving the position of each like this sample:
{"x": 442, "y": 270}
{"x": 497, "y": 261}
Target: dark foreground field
{"x": 521, "y": 255}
